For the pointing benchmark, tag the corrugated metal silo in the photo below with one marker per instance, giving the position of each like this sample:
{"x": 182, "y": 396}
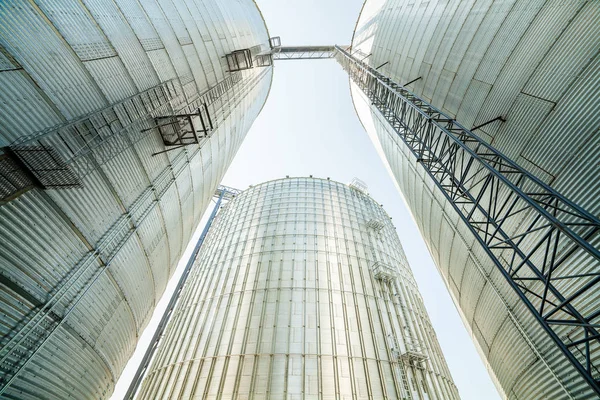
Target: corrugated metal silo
{"x": 535, "y": 64}
{"x": 84, "y": 86}
{"x": 301, "y": 290}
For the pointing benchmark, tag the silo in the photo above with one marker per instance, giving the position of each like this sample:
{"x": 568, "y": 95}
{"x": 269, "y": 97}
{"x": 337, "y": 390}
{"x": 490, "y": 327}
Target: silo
{"x": 301, "y": 290}
{"x": 523, "y": 76}
{"x": 118, "y": 120}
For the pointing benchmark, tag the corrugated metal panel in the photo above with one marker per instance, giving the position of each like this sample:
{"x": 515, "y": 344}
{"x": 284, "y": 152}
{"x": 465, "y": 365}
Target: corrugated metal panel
{"x": 141, "y": 24}
{"x": 118, "y": 338}
{"x": 153, "y": 165}
{"x": 482, "y": 345}
{"x": 93, "y": 314}
{"x": 556, "y": 73}
{"x": 169, "y": 38}
{"x": 169, "y": 204}
{"x": 153, "y": 237}
{"x": 513, "y": 27}
{"x": 6, "y": 64}
{"x": 543, "y": 389}
{"x": 22, "y": 107}
{"x": 467, "y": 65}
{"x": 471, "y": 22}
{"x": 569, "y": 136}
{"x": 471, "y": 289}
{"x": 162, "y": 64}
{"x": 30, "y": 259}
{"x": 532, "y": 45}
{"x": 184, "y": 187}
{"x": 74, "y": 361}
{"x": 580, "y": 172}
{"x": 78, "y": 29}
{"x": 123, "y": 39}
{"x": 93, "y": 196}
{"x": 133, "y": 276}
{"x": 112, "y": 78}
{"x": 50, "y": 62}
{"x": 509, "y": 340}
{"x": 490, "y": 314}
{"x": 437, "y": 82}
{"x": 528, "y": 113}
{"x": 174, "y": 19}
{"x": 126, "y": 176}
{"x": 195, "y": 66}
{"x": 441, "y": 89}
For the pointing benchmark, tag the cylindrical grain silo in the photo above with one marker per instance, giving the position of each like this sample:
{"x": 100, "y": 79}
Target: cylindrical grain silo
{"x": 301, "y": 291}
{"x": 94, "y": 214}
{"x": 523, "y": 75}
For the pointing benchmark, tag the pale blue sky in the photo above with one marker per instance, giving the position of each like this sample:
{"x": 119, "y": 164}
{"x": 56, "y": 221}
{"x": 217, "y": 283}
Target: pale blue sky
{"x": 308, "y": 127}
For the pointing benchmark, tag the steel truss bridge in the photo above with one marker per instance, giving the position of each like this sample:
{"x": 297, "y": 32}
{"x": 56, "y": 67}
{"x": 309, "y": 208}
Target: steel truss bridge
{"x": 303, "y": 52}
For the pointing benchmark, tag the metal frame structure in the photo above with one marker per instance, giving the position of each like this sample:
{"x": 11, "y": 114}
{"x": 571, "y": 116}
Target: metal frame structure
{"x": 59, "y": 157}
{"x": 413, "y": 357}
{"x": 303, "y": 52}
{"x": 222, "y": 193}
{"x": 528, "y": 230}
{"x": 359, "y": 185}
{"x": 94, "y": 139}
{"x": 275, "y": 41}
{"x": 383, "y": 272}
{"x": 264, "y": 60}
{"x": 239, "y": 60}
{"x": 179, "y": 130}
{"x": 491, "y": 193}
{"x": 46, "y": 166}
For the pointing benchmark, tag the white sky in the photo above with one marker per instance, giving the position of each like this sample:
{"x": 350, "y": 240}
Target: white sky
{"x": 308, "y": 127}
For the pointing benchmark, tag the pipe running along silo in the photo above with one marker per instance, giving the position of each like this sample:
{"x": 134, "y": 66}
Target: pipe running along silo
{"x": 300, "y": 290}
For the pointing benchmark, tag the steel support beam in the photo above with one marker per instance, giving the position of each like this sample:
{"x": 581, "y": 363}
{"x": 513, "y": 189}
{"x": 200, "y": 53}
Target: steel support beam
{"x": 528, "y": 230}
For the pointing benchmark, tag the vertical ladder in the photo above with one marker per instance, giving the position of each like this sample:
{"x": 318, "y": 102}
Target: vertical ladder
{"x": 393, "y": 342}
{"x": 405, "y": 383}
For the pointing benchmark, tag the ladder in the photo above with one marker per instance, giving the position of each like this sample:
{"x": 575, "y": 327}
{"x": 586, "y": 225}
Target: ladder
{"x": 396, "y": 352}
